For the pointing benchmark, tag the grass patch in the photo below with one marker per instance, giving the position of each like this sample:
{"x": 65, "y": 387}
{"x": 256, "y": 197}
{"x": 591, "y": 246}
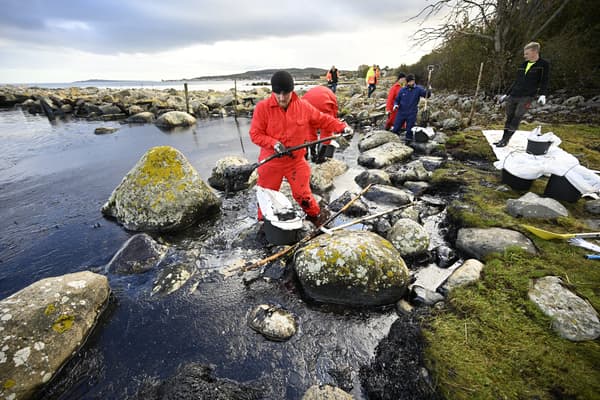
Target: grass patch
{"x": 490, "y": 341}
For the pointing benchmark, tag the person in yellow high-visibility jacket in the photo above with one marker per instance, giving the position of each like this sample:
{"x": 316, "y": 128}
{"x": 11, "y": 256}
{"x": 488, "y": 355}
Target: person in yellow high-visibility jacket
{"x": 371, "y": 80}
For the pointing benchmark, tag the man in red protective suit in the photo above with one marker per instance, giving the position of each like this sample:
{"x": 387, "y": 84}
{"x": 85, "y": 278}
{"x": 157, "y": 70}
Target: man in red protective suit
{"x": 282, "y": 121}
{"x": 389, "y": 107}
{"x": 325, "y": 101}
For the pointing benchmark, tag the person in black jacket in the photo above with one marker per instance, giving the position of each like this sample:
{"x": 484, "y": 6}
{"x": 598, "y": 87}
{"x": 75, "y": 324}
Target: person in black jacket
{"x": 531, "y": 82}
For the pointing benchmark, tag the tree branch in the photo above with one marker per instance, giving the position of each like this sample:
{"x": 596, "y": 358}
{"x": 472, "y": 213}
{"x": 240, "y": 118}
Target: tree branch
{"x": 549, "y": 19}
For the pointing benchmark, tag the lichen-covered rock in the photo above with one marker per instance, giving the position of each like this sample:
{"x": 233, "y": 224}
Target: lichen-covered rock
{"x": 408, "y": 237}
{"x": 479, "y": 242}
{"x": 322, "y": 175}
{"x": 357, "y": 268}
{"x": 42, "y": 326}
{"x": 273, "y": 322}
{"x": 572, "y": 317}
{"x": 413, "y": 171}
{"x": 376, "y": 139}
{"x": 162, "y": 192}
{"x": 138, "y": 254}
{"x": 172, "y": 119}
{"x": 218, "y": 179}
{"x": 326, "y": 392}
{"x": 385, "y": 155}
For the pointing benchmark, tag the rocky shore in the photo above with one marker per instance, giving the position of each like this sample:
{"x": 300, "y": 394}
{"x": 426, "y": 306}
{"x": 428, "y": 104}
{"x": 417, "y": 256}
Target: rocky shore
{"x": 448, "y": 111}
{"x": 383, "y": 265}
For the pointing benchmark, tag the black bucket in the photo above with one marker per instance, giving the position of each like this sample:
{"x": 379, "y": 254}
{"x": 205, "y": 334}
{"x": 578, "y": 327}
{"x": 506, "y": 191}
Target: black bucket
{"x": 559, "y": 188}
{"x": 421, "y": 137}
{"x": 278, "y": 236}
{"x": 329, "y": 151}
{"x": 537, "y": 148}
{"x": 515, "y": 182}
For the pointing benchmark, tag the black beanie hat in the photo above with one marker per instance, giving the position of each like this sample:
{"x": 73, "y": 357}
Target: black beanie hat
{"x": 410, "y": 77}
{"x": 282, "y": 82}
{"x": 401, "y": 75}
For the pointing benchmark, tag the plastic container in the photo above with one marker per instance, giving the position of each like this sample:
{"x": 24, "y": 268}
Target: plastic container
{"x": 515, "y": 182}
{"x": 278, "y": 236}
{"x": 559, "y": 188}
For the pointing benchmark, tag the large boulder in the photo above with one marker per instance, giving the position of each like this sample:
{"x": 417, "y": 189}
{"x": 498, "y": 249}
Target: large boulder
{"x": 42, "y": 326}
{"x": 137, "y": 255}
{"x": 162, "y": 192}
{"x": 172, "y": 119}
{"x": 385, "y": 155}
{"x": 530, "y": 205}
{"x": 389, "y": 195}
{"x": 376, "y": 139}
{"x": 322, "y": 175}
{"x": 219, "y": 181}
{"x": 572, "y": 317}
{"x": 408, "y": 237}
{"x": 479, "y": 242}
{"x": 357, "y": 268}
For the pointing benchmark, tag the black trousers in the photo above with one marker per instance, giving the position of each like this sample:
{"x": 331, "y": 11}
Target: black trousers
{"x": 516, "y": 107}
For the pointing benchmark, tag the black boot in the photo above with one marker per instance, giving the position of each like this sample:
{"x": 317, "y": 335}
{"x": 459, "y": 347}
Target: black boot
{"x": 321, "y": 154}
{"x": 505, "y": 138}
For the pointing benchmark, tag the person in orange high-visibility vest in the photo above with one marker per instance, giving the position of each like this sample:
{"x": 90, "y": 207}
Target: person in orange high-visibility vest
{"x": 371, "y": 80}
{"x": 332, "y": 78}
{"x": 283, "y": 121}
{"x": 325, "y": 101}
{"x": 377, "y": 74}
{"x": 389, "y": 107}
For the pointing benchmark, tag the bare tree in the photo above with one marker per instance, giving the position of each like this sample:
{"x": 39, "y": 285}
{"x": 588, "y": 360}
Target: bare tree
{"x": 506, "y": 24}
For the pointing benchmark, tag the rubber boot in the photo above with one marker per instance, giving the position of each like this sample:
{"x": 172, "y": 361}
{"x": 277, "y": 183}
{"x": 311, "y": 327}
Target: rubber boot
{"x": 321, "y": 155}
{"x": 505, "y": 138}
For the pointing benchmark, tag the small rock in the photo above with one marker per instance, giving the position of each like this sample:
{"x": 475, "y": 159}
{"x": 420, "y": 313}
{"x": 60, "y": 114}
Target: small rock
{"x": 530, "y": 205}
{"x": 104, "y": 130}
{"x": 389, "y": 195}
{"x": 444, "y": 256}
{"x": 478, "y": 242}
{"x": 413, "y": 171}
{"x": 326, "y": 392}
{"x": 408, "y": 237}
{"x": 450, "y": 124}
{"x": 574, "y": 101}
{"x": 322, "y": 175}
{"x": 171, "y": 278}
{"x": 273, "y": 322}
{"x": 372, "y": 176}
{"x": 404, "y": 307}
{"x": 572, "y": 317}
{"x": 593, "y": 206}
{"x": 385, "y": 155}
{"x": 422, "y": 296}
{"x": 376, "y": 139}
{"x": 219, "y": 181}
{"x": 141, "y": 118}
{"x": 357, "y": 209}
{"x": 138, "y": 254}
{"x": 173, "y": 119}
{"x": 417, "y": 188}
{"x": 467, "y": 273}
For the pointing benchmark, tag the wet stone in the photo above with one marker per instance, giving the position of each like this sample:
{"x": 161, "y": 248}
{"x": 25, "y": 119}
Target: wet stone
{"x": 389, "y": 195}
{"x": 530, "y": 205}
{"x": 220, "y": 181}
{"x": 173, "y": 119}
{"x": 385, "y": 155}
{"x": 322, "y": 175}
{"x": 408, "y": 237}
{"x": 357, "y": 209}
{"x": 372, "y": 176}
{"x": 468, "y": 272}
{"x": 273, "y": 322}
{"x": 171, "y": 278}
{"x": 138, "y": 254}
{"x": 417, "y": 188}
{"x": 104, "y": 130}
{"x": 593, "y": 206}
{"x": 141, "y": 118}
{"x": 423, "y": 296}
{"x": 196, "y": 381}
{"x": 444, "y": 256}
{"x": 376, "y": 139}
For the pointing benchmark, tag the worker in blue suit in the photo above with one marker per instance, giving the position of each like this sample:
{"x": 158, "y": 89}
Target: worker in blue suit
{"x": 407, "y": 104}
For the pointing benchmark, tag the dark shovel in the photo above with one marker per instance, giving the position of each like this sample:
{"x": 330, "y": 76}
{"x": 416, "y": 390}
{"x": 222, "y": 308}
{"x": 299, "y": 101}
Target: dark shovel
{"x": 236, "y": 176}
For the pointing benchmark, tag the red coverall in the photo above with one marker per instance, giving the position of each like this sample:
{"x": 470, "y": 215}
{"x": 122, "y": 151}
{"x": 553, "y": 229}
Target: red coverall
{"x": 272, "y": 124}
{"x": 324, "y": 100}
{"x": 389, "y": 107}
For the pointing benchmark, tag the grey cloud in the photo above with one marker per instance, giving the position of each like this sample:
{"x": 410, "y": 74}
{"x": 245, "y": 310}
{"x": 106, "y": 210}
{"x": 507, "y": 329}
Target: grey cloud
{"x": 112, "y": 26}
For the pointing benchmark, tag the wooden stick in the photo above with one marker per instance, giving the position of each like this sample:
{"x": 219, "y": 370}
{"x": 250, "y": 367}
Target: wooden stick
{"x": 476, "y": 92}
{"x": 305, "y": 239}
{"x": 187, "y": 101}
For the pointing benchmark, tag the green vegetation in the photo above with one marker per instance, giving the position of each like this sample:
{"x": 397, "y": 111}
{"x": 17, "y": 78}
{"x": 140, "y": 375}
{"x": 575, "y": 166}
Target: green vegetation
{"x": 490, "y": 341}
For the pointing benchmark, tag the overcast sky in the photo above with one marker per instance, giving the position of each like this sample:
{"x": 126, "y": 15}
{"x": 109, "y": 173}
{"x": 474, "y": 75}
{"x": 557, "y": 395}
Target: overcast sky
{"x": 68, "y": 40}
